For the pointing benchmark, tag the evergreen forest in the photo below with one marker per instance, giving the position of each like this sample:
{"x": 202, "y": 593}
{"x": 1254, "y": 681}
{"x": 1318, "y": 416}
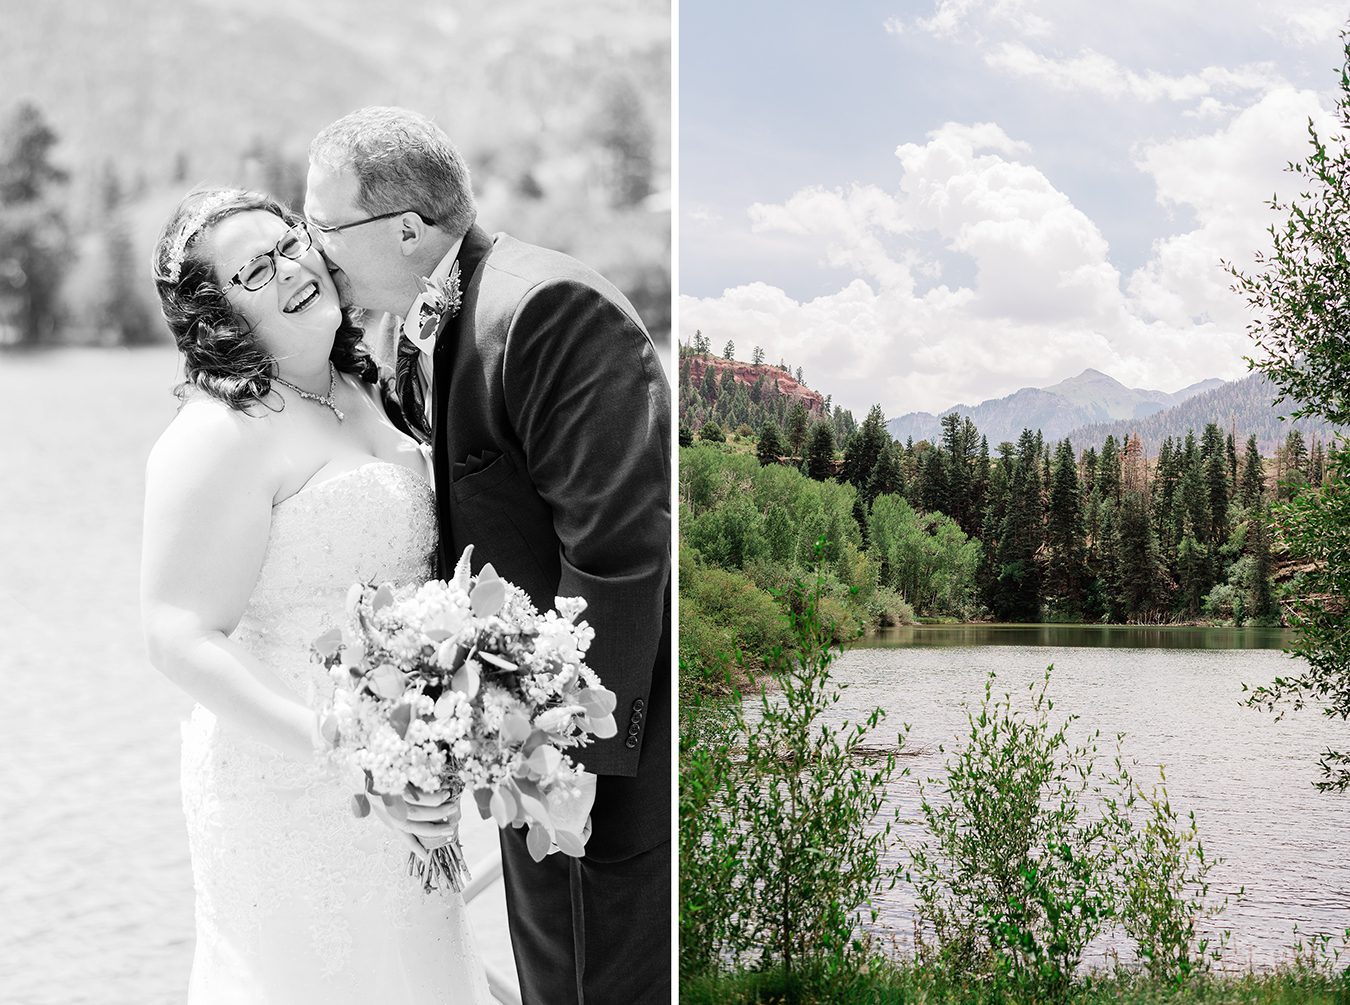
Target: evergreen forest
{"x": 961, "y": 529}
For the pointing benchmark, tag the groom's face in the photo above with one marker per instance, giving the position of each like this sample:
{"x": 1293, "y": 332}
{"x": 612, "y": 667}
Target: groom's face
{"x": 369, "y": 269}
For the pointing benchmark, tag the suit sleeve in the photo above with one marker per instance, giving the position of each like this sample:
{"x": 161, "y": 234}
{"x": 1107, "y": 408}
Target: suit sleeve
{"x": 590, "y": 402}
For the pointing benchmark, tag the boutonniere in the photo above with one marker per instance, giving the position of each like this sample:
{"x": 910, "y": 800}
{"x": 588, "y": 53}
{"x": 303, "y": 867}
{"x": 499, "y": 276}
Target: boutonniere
{"x": 440, "y": 298}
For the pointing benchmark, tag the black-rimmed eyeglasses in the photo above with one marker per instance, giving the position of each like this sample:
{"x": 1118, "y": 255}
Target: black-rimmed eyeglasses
{"x": 258, "y": 272}
{"x": 371, "y": 219}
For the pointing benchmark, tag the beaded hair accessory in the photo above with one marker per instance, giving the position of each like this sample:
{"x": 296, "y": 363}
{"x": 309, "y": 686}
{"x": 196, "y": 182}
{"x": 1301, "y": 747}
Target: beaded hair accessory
{"x": 173, "y": 262}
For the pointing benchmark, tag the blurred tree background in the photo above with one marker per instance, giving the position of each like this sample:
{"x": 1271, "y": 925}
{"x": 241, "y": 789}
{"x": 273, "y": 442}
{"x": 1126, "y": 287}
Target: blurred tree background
{"x": 111, "y": 112}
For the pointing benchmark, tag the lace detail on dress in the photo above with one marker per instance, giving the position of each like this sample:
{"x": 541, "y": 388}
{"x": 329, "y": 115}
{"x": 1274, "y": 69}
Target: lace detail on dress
{"x": 297, "y": 900}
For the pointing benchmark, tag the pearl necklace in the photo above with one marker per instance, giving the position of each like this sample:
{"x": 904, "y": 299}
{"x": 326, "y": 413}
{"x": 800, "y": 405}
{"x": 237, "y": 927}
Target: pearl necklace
{"x": 323, "y": 399}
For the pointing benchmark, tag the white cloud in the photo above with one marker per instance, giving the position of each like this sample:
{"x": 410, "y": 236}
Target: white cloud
{"x": 1045, "y": 301}
{"x": 1223, "y": 178}
{"x": 1094, "y": 72}
{"x": 1309, "y": 24}
{"x": 950, "y": 18}
{"x": 849, "y": 222}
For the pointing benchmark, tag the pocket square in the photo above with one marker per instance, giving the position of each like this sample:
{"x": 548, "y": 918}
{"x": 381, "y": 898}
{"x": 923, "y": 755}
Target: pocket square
{"x": 473, "y": 462}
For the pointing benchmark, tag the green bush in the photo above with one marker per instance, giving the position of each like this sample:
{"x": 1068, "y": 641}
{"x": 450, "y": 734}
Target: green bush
{"x": 1163, "y": 877}
{"x": 887, "y": 609}
{"x": 730, "y": 535}
{"x": 778, "y": 849}
{"x": 1029, "y": 857}
{"x": 1014, "y": 880}
{"x": 722, "y": 614}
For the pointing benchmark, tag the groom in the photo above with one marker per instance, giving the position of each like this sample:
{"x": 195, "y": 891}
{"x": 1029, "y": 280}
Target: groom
{"x": 549, "y": 415}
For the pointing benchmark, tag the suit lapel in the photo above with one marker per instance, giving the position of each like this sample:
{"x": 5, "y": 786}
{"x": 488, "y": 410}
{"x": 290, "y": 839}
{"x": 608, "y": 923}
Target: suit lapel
{"x": 472, "y": 253}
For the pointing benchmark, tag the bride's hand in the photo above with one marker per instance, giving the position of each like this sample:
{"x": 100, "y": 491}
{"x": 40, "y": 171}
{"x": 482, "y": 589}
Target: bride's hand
{"x": 432, "y": 819}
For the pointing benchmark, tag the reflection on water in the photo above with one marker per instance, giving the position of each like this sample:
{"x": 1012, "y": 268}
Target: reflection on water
{"x": 1247, "y": 775}
{"x": 1093, "y": 636}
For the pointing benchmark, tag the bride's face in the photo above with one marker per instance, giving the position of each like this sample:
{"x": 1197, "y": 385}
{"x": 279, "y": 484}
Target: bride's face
{"x": 293, "y": 312}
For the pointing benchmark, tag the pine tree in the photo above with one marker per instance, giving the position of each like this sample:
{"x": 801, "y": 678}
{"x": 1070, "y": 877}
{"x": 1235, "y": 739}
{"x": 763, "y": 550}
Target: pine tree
{"x": 1216, "y": 482}
{"x": 992, "y": 523}
{"x": 712, "y": 433}
{"x": 1064, "y": 571}
{"x": 1252, "y": 488}
{"x": 1193, "y": 500}
{"x": 1108, "y": 471}
{"x": 709, "y": 385}
{"x": 820, "y": 452}
{"x": 798, "y": 428}
{"x": 1089, "y": 470}
{"x": 1166, "y": 481}
{"x": 1140, "y": 580}
{"x": 757, "y": 356}
{"x": 864, "y": 448}
{"x": 1294, "y": 462}
{"x": 1215, "y": 462}
{"x": 1260, "y": 595}
{"x": 770, "y": 446}
{"x": 1194, "y": 578}
{"x": 957, "y": 477}
{"x": 1019, "y": 571}
{"x": 34, "y": 240}
{"x": 729, "y": 350}
{"x": 933, "y": 492}
{"x": 886, "y": 478}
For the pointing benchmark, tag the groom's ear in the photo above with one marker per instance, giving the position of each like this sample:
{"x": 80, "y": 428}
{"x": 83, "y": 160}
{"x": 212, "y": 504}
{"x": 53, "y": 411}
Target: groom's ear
{"x": 411, "y": 232}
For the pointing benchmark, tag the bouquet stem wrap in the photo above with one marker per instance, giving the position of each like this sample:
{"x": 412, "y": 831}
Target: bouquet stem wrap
{"x": 444, "y": 868}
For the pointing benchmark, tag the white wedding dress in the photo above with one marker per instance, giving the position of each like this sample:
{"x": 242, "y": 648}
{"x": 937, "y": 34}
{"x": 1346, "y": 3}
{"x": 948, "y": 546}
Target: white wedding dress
{"x": 297, "y": 900}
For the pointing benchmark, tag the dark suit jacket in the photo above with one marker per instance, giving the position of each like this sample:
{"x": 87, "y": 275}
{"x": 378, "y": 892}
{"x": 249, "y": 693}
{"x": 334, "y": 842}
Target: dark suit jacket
{"x": 552, "y": 457}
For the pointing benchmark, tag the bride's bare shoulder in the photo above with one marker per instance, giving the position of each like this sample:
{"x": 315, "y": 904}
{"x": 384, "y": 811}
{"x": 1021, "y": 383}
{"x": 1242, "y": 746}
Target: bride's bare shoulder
{"x": 209, "y": 440}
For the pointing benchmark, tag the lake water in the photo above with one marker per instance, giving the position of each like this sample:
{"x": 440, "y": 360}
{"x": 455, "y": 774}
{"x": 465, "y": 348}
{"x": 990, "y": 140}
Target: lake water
{"x": 1176, "y": 694}
{"x": 95, "y": 886}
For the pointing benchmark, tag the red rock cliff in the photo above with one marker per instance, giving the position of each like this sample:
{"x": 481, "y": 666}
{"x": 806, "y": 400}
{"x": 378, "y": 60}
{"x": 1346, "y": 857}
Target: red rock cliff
{"x": 747, "y": 373}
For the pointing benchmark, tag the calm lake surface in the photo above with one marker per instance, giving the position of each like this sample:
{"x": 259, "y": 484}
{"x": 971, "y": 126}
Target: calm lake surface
{"x": 95, "y": 882}
{"x": 1176, "y": 694}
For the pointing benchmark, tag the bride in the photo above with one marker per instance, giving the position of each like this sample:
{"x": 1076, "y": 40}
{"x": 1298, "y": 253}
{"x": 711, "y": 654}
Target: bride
{"x": 280, "y": 483}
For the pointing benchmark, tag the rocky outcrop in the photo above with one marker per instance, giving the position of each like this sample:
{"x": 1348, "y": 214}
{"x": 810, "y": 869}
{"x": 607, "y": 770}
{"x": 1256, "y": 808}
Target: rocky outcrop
{"x": 748, "y": 374}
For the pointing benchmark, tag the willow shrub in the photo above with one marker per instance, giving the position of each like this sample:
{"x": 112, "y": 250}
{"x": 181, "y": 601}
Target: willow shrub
{"x": 781, "y": 823}
{"x": 1031, "y": 854}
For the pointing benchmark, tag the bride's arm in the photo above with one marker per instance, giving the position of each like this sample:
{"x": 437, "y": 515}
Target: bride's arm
{"x": 208, "y": 510}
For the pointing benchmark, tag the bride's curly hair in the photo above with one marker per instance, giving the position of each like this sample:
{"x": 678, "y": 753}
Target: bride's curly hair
{"x": 221, "y": 355}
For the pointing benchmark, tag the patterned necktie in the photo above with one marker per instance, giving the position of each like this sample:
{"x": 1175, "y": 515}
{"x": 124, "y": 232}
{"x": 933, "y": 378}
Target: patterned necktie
{"x": 411, "y": 394}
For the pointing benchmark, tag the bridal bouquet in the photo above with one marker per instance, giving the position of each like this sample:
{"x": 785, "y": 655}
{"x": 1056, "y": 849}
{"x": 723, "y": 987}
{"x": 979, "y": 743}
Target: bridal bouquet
{"x": 463, "y": 684}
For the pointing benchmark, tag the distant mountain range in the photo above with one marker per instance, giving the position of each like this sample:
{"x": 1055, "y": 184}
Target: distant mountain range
{"x": 1091, "y": 406}
{"x": 158, "y": 90}
{"x": 1090, "y": 398}
{"x": 1244, "y": 407}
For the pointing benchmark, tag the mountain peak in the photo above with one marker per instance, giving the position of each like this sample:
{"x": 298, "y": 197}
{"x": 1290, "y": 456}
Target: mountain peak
{"x": 1090, "y": 397}
{"x": 1089, "y": 376}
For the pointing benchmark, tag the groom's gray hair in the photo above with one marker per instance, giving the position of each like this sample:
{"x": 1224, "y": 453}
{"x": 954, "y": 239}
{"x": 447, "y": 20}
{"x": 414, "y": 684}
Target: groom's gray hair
{"x": 401, "y": 160}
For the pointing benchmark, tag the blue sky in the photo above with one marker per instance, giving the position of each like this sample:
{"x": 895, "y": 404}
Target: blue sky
{"x": 926, "y": 203}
